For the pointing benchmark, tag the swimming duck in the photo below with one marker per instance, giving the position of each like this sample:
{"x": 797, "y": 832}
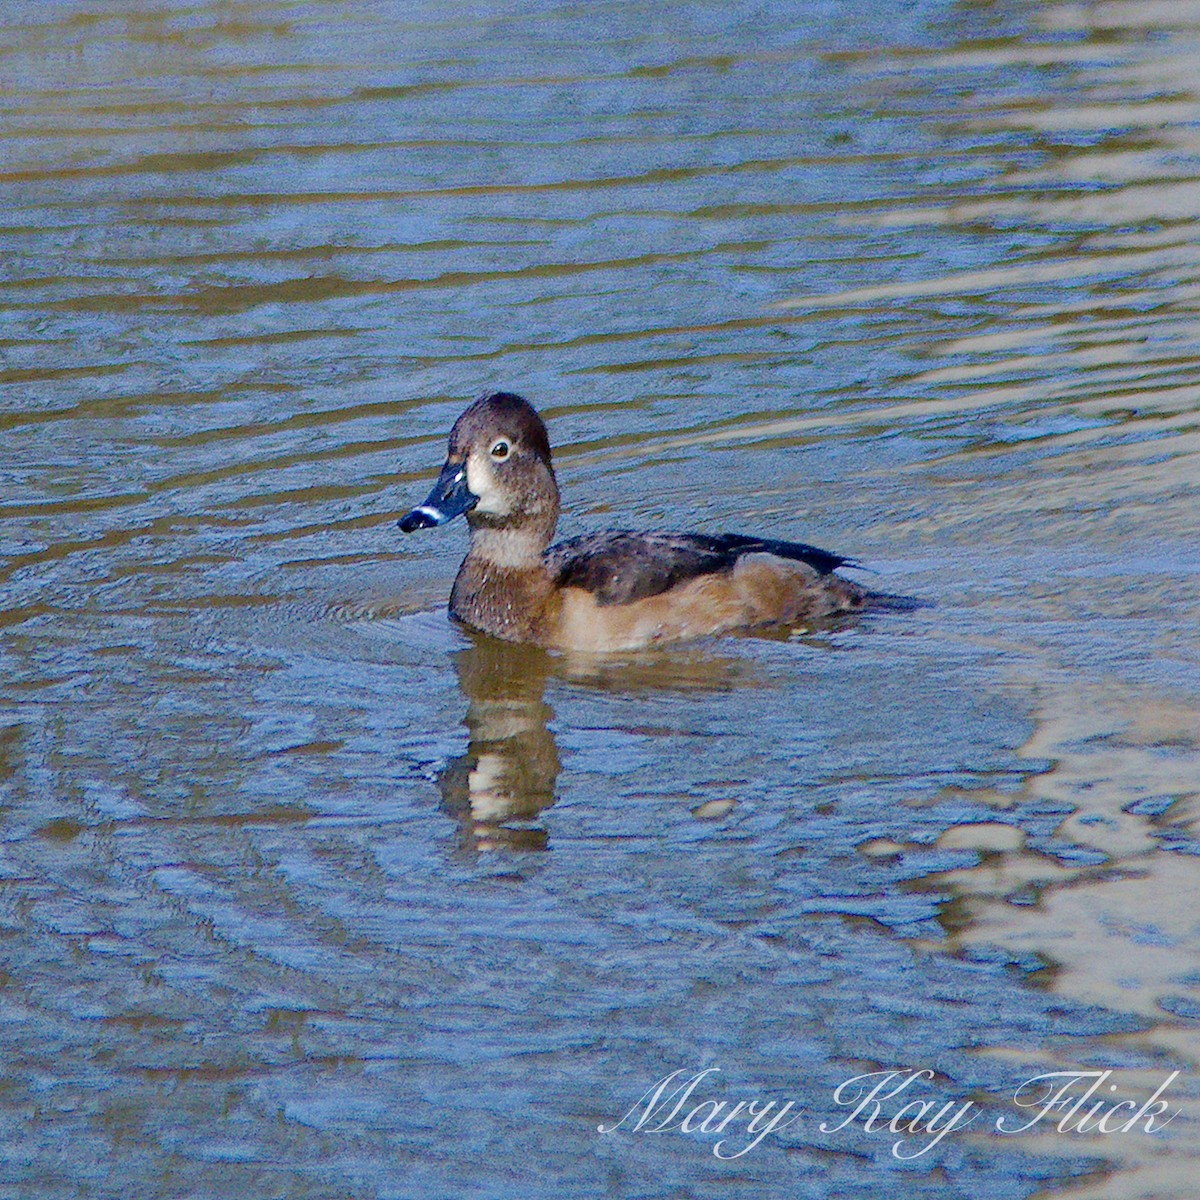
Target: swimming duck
{"x": 608, "y": 591}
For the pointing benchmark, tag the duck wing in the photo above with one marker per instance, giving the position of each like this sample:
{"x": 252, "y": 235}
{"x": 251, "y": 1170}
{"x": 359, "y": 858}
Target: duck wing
{"x": 619, "y": 567}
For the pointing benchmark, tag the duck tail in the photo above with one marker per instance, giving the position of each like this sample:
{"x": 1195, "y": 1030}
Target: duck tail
{"x": 891, "y": 602}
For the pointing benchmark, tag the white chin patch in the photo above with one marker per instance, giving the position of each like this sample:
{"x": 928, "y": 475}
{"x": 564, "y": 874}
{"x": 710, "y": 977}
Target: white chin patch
{"x": 481, "y": 484}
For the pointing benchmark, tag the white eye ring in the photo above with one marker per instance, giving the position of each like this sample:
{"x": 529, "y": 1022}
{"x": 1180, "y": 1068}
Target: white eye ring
{"x": 500, "y": 450}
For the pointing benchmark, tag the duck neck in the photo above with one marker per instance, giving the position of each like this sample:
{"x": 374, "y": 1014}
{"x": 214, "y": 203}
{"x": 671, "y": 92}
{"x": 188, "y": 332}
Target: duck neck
{"x": 510, "y": 546}
{"x": 504, "y": 586}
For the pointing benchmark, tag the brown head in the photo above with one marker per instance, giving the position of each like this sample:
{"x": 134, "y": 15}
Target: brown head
{"x": 498, "y": 472}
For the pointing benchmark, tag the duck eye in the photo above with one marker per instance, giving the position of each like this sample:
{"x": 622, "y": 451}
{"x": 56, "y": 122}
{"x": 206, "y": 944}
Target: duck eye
{"x": 500, "y": 450}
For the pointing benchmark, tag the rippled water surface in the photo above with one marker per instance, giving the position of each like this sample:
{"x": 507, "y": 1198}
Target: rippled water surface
{"x": 305, "y": 893}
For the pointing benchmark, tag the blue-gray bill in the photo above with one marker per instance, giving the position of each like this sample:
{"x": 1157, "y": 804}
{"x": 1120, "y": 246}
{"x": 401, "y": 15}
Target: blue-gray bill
{"x": 450, "y": 498}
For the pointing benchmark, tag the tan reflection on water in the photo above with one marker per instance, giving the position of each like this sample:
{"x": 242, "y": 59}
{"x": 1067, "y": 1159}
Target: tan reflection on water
{"x": 1125, "y": 934}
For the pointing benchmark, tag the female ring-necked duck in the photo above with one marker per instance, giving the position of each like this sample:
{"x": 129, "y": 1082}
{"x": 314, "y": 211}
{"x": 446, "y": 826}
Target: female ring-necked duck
{"x": 604, "y": 591}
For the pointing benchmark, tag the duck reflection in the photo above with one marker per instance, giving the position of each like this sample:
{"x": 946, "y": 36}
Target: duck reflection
{"x": 509, "y": 771}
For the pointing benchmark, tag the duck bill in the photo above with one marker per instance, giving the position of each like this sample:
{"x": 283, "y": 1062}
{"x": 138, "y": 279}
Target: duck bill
{"x": 450, "y": 498}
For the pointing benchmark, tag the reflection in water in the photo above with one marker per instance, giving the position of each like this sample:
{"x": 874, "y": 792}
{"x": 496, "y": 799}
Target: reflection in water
{"x": 1112, "y": 915}
{"x": 507, "y": 775}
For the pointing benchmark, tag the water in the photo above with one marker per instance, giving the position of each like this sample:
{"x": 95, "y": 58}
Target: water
{"x": 307, "y": 893}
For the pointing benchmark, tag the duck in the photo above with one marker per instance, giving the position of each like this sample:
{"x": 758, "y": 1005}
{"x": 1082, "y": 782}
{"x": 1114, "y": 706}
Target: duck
{"x": 615, "y": 590}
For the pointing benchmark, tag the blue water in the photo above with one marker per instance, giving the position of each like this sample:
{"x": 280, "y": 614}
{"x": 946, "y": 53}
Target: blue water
{"x": 304, "y": 892}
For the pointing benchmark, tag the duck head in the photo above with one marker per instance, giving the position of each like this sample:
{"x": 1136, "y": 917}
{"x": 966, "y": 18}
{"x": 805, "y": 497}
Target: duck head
{"x": 497, "y": 472}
